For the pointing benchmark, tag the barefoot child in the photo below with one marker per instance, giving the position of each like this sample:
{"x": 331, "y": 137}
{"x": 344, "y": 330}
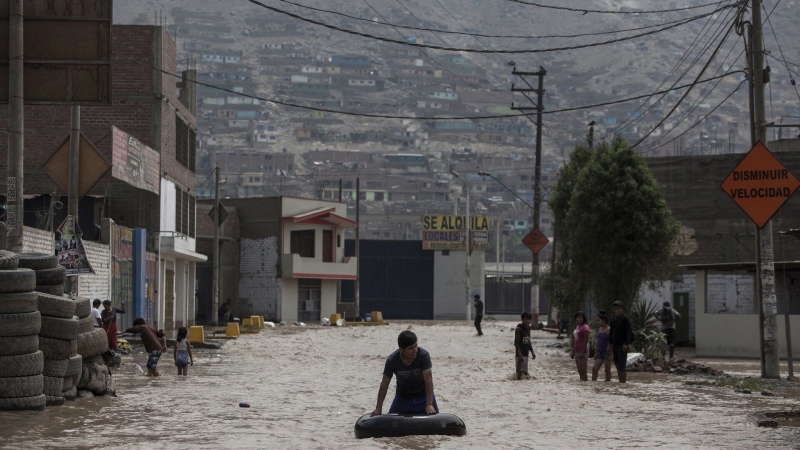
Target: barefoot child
{"x": 183, "y": 351}
{"x": 522, "y": 344}
{"x": 580, "y": 344}
{"x": 601, "y": 357}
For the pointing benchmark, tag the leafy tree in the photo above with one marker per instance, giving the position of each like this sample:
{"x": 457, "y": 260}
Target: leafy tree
{"x": 614, "y": 227}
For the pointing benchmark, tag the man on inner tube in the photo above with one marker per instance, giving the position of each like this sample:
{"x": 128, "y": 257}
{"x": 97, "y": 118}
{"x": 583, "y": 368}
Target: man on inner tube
{"x": 412, "y": 365}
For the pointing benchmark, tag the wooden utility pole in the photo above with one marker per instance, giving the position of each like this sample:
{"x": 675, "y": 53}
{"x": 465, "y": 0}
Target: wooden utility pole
{"x": 591, "y": 134}
{"x": 537, "y": 187}
{"x": 764, "y": 249}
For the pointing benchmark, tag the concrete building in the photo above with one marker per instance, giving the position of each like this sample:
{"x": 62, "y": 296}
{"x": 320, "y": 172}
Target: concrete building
{"x": 291, "y": 255}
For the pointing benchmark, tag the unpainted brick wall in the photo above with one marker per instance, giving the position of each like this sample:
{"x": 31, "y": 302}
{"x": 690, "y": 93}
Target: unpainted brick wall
{"x": 259, "y": 285}
{"x": 38, "y": 241}
{"x": 97, "y": 285}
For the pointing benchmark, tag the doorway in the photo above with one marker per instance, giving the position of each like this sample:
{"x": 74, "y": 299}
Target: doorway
{"x": 680, "y": 302}
{"x": 327, "y": 245}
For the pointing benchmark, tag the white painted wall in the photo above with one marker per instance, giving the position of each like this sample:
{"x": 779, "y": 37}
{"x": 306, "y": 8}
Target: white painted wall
{"x": 448, "y": 288}
{"x": 168, "y": 205}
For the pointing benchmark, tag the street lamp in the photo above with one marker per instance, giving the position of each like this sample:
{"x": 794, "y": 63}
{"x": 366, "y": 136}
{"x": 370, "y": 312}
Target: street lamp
{"x": 466, "y": 247}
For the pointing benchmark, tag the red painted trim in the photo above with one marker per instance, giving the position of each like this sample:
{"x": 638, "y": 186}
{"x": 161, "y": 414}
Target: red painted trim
{"x": 307, "y": 217}
{"x": 324, "y": 276}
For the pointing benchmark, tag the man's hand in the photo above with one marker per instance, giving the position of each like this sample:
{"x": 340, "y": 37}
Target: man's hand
{"x": 429, "y": 409}
{"x": 377, "y": 412}
{"x": 533, "y": 355}
{"x": 624, "y": 348}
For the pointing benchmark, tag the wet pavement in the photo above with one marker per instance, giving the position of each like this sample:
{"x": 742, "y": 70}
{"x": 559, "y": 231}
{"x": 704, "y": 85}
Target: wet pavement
{"x": 308, "y": 386}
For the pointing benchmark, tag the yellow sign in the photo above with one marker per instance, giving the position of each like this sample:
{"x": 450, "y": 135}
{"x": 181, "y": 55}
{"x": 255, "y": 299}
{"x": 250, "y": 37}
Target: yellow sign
{"x": 442, "y": 232}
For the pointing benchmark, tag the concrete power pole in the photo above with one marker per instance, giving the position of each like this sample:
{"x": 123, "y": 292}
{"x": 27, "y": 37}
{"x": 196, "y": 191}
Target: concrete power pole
{"x": 16, "y": 128}
{"x": 215, "y": 294}
{"x": 74, "y": 175}
{"x": 537, "y": 187}
{"x": 357, "y": 304}
{"x": 765, "y": 248}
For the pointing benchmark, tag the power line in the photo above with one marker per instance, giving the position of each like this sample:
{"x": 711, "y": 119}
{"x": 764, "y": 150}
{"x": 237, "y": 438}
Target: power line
{"x": 467, "y": 50}
{"x": 496, "y": 36}
{"x": 794, "y": 83}
{"x": 696, "y": 123}
{"x": 702, "y": 71}
{"x": 634, "y": 119}
{"x": 602, "y": 11}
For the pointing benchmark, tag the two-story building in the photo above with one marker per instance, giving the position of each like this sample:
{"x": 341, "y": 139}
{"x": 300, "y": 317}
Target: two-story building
{"x": 291, "y": 257}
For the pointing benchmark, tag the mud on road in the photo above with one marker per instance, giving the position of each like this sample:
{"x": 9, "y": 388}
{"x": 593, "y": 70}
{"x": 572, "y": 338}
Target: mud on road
{"x": 307, "y": 387}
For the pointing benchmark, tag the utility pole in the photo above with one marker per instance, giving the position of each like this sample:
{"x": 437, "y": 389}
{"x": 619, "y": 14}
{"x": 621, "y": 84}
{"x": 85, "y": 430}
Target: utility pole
{"x": 537, "y": 187}
{"x": 74, "y": 175}
{"x": 215, "y": 301}
{"x": 358, "y": 249}
{"x": 765, "y": 249}
{"x": 16, "y": 128}
{"x": 591, "y": 134}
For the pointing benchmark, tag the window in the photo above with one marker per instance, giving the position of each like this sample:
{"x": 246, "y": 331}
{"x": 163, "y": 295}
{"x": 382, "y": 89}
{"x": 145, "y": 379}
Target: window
{"x": 445, "y": 252}
{"x": 302, "y": 243}
{"x": 185, "y": 144}
{"x": 309, "y": 300}
{"x": 184, "y": 212}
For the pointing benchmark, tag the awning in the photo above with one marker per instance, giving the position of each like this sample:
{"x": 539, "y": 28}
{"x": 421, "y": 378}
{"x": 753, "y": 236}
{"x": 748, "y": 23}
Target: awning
{"x": 321, "y": 216}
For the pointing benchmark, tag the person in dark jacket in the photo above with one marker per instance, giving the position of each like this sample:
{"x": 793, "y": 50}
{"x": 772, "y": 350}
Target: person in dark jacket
{"x": 478, "y": 313}
{"x": 667, "y": 317}
{"x": 522, "y": 344}
{"x": 620, "y": 336}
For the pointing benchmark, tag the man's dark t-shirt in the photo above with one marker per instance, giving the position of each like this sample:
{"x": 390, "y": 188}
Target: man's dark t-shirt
{"x": 479, "y": 308}
{"x": 150, "y": 336}
{"x": 620, "y": 333}
{"x": 410, "y": 383}
{"x": 522, "y": 340}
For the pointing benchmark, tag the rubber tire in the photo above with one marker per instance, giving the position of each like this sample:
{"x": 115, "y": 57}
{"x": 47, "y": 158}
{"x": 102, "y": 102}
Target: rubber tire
{"x": 20, "y": 324}
{"x": 59, "y": 328}
{"x": 19, "y": 345}
{"x": 93, "y": 343}
{"x": 57, "y": 348}
{"x": 51, "y": 277}
{"x": 56, "y": 305}
{"x": 17, "y": 387}
{"x": 83, "y": 307}
{"x": 52, "y": 386}
{"x": 20, "y": 280}
{"x": 50, "y": 290}
{"x": 69, "y": 383}
{"x": 23, "y": 302}
{"x": 56, "y": 401}
{"x": 55, "y": 367}
{"x": 8, "y": 260}
{"x": 37, "y": 261}
{"x": 70, "y": 394}
{"x": 74, "y": 366}
{"x": 35, "y": 403}
{"x": 22, "y": 365}
{"x": 86, "y": 324}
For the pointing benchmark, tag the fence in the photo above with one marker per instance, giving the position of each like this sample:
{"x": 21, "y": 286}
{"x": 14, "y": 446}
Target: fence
{"x": 510, "y": 293}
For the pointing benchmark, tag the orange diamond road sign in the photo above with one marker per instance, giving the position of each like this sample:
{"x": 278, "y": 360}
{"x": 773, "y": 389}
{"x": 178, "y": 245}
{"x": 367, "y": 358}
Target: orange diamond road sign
{"x": 760, "y": 184}
{"x": 535, "y": 240}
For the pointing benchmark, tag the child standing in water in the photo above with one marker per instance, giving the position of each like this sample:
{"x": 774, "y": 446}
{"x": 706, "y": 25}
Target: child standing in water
{"x": 183, "y": 351}
{"x": 580, "y": 344}
{"x": 602, "y": 355}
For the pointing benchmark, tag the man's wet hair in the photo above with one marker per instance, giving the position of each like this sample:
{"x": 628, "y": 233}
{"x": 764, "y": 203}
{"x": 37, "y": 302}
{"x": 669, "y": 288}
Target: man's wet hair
{"x": 618, "y": 304}
{"x": 106, "y": 302}
{"x": 526, "y": 315}
{"x": 406, "y": 339}
{"x": 138, "y": 321}
{"x": 97, "y": 302}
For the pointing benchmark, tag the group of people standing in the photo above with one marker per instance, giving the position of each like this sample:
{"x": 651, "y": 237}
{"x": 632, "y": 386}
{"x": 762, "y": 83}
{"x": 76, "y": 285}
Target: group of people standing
{"x": 155, "y": 342}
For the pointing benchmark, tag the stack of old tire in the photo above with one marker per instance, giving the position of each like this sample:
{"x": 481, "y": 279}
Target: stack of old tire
{"x": 58, "y": 336}
{"x": 93, "y": 376}
{"x": 21, "y": 362}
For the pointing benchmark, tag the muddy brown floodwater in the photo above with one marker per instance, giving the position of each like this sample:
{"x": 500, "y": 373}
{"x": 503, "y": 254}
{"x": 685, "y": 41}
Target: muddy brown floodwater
{"x": 307, "y": 387}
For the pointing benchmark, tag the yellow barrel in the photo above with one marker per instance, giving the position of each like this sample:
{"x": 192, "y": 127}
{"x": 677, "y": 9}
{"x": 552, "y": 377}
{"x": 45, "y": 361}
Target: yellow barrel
{"x": 232, "y": 330}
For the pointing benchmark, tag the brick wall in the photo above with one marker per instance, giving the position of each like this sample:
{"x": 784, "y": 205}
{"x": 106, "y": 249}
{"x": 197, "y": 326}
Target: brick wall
{"x": 38, "y": 241}
{"x": 730, "y": 294}
{"x": 96, "y": 285}
{"x": 259, "y": 285}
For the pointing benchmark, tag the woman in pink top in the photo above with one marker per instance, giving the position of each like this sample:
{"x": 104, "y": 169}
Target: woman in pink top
{"x": 580, "y": 344}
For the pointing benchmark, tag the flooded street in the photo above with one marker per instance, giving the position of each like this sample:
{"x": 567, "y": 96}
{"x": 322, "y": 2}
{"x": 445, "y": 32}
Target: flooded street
{"x": 307, "y": 387}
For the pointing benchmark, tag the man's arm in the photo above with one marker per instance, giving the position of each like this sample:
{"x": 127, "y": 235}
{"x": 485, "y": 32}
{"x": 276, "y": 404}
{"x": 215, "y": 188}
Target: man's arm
{"x": 121, "y": 311}
{"x": 381, "y": 396}
{"x": 518, "y": 342}
{"x": 428, "y": 377}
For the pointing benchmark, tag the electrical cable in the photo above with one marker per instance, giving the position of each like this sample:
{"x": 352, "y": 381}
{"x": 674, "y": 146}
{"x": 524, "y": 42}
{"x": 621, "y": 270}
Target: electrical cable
{"x": 496, "y": 36}
{"x": 467, "y": 50}
{"x": 387, "y": 116}
{"x": 791, "y": 79}
{"x": 600, "y": 11}
{"x": 634, "y": 118}
{"x": 696, "y": 123}
{"x": 683, "y": 97}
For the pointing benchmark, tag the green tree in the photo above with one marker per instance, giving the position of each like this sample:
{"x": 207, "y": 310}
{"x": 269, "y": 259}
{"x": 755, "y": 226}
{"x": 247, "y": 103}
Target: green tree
{"x": 615, "y": 228}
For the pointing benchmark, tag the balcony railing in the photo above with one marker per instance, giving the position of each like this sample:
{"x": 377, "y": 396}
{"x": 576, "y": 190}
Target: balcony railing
{"x": 295, "y": 266}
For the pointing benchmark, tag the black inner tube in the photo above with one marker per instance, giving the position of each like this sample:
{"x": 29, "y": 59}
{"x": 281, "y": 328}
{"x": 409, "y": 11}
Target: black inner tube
{"x": 394, "y": 425}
